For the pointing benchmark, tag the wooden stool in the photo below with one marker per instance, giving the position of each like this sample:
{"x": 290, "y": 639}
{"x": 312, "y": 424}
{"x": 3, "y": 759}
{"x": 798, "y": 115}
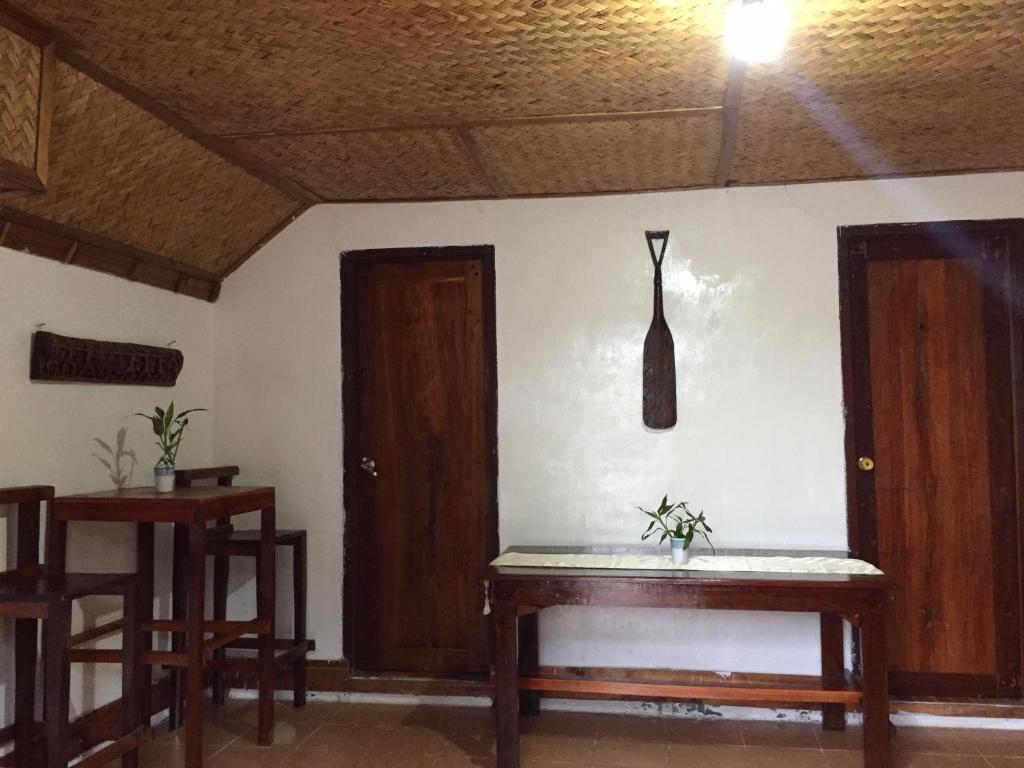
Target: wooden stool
{"x": 28, "y": 596}
{"x": 224, "y": 543}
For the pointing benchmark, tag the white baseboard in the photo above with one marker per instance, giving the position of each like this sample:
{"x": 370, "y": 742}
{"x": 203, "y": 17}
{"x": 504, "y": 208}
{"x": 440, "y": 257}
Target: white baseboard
{"x": 652, "y": 709}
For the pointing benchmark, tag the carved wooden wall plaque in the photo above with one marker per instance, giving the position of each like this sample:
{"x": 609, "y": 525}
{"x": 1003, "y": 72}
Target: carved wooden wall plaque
{"x": 64, "y": 358}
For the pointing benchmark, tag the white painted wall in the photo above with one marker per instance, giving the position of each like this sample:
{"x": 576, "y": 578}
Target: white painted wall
{"x": 47, "y": 429}
{"x": 751, "y": 297}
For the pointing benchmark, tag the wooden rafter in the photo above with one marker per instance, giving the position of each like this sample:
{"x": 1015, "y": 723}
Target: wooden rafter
{"x": 68, "y": 50}
{"x": 469, "y": 143}
{"x": 570, "y": 117}
{"x": 27, "y": 101}
{"x": 730, "y": 121}
{"x": 68, "y": 245}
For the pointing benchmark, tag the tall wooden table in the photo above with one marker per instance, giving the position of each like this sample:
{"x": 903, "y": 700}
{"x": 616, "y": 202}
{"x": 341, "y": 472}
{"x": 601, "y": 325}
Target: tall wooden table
{"x": 519, "y": 593}
{"x": 194, "y": 508}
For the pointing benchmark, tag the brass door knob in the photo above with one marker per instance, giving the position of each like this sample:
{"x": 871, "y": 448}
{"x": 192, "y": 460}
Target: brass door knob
{"x": 866, "y": 463}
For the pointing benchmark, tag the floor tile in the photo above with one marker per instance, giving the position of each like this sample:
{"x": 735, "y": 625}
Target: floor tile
{"x": 709, "y": 756}
{"x": 928, "y": 741}
{"x": 773, "y": 734}
{"x": 451, "y": 719}
{"x": 937, "y": 760}
{"x": 781, "y": 757}
{"x": 556, "y": 749}
{"x": 382, "y": 736}
{"x": 630, "y": 727}
{"x": 630, "y": 753}
{"x": 850, "y": 739}
{"x": 346, "y": 743}
{"x": 992, "y": 743}
{"x": 577, "y": 724}
{"x": 844, "y": 758}
{"x": 705, "y": 732}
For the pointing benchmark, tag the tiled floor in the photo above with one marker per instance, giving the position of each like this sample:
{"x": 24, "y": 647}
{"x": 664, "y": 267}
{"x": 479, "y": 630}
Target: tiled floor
{"x": 379, "y": 736}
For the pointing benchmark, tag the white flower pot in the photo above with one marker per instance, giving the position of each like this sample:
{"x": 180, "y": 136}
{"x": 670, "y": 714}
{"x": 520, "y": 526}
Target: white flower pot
{"x": 164, "y": 479}
{"x": 680, "y": 553}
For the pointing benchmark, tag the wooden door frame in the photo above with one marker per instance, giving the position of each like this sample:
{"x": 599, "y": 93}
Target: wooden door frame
{"x": 350, "y": 262}
{"x": 862, "y": 532}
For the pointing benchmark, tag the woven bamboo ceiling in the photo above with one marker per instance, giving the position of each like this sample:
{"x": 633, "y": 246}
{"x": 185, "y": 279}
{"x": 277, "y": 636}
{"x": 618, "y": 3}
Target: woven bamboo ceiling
{"x": 437, "y": 99}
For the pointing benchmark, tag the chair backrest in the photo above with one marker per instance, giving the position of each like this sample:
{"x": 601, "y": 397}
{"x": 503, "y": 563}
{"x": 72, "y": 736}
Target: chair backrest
{"x": 185, "y": 478}
{"x": 29, "y": 499}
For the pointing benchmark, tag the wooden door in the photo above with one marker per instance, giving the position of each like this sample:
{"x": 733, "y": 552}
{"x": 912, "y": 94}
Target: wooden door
{"x": 420, "y": 404}
{"x": 932, "y": 371}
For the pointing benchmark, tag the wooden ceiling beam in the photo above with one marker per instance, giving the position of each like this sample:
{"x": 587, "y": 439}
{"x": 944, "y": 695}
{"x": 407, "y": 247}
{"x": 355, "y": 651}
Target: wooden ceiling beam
{"x": 23, "y": 25}
{"x": 730, "y": 120}
{"x": 69, "y": 245}
{"x": 68, "y": 51}
{"x": 465, "y": 134}
{"x": 292, "y": 216}
{"x": 569, "y": 117}
{"x": 21, "y": 176}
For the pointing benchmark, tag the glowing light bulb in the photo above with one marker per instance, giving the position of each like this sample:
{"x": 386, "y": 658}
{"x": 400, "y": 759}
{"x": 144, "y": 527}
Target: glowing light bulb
{"x": 756, "y": 31}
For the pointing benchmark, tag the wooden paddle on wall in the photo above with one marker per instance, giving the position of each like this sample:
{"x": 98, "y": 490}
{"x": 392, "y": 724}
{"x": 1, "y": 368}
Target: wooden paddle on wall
{"x": 659, "y": 352}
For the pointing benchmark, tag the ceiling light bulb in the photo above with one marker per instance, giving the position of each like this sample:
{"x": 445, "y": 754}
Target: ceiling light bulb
{"x": 756, "y": 31}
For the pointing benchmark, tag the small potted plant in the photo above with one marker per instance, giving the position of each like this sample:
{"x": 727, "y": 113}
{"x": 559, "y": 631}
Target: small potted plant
{"x": 678, "y": 524}
{"x": 168, "y": 428}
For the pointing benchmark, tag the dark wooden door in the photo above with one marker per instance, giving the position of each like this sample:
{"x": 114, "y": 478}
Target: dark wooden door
{"x": 420, "y": 404}
{"x": 932, "y": 371}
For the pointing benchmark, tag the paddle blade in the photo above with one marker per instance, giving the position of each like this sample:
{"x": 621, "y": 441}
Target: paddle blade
{"x": 659, "y": 377}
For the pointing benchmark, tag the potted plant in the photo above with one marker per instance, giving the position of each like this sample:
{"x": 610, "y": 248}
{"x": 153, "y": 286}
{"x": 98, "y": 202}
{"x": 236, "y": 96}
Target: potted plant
{"x": 678, "y": 524}
{"x": 168, "y": 428}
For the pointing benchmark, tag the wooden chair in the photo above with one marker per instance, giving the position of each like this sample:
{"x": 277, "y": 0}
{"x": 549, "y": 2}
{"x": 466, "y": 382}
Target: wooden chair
{"x": 222, "y": 545}
{"x": 28, "y": 596}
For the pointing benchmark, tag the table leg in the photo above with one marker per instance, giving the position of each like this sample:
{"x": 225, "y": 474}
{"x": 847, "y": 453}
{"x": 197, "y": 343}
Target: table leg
{"x": 833, "y": 716}
{"x": 874, "y": 680}
{"x": 266, "y": 604}
{"x": 179, "y": 609}
{"x": 26, "y": 632}
{"x": 25, "y": 657}
{"x": 57, "y": 675}
{"x": 144, "y": 567}
{"x": 529, "y": 661}
{"x": 506, "y": 683}
{"x": 56, "y": 546}
{"x": 130, "y": 671}
{"x": 299, "y": 592}
{"x": 194, "y": 644}
{"x": 221, "y": 573}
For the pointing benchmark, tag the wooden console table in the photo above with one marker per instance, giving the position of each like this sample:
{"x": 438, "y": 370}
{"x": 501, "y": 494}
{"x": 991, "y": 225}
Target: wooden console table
{"x": 519, "y": 593}
{"x": 194, "y": 508}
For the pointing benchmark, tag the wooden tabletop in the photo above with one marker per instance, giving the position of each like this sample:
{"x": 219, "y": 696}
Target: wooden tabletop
{"x": 681, "y": 574}
{"x": 180, "y": 505}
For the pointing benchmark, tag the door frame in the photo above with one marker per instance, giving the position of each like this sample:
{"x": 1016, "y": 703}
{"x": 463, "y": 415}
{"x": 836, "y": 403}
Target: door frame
{"x": 862, "y": 533}
{"x": 350, "y": 263}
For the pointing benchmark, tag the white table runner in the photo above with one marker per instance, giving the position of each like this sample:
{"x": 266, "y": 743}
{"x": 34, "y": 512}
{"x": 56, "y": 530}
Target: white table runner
{"x": 734, "y": 563}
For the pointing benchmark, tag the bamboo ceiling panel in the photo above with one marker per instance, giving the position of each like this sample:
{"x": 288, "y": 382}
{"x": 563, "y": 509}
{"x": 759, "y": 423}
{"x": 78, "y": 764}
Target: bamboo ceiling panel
{"x": 260, "y": 65}
{"x": 19, "y": 98}
{"x": 886, "y": 87}
{"x": 978, "y": 129}
{"x": 609, "y": 156}
{"x": 377, "y": 165}
{"x": 119, "y": 172}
